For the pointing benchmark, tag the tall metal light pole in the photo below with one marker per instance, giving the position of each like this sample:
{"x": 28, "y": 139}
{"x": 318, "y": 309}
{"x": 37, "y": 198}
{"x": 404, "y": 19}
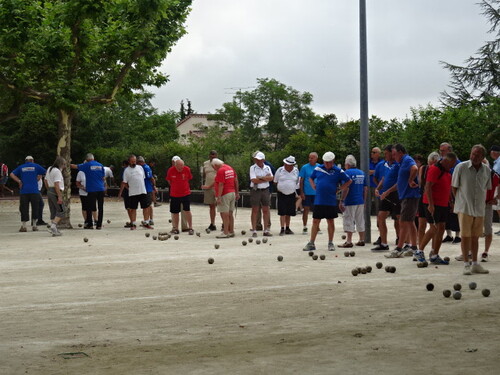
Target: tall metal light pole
{"x": 364, "y": 131}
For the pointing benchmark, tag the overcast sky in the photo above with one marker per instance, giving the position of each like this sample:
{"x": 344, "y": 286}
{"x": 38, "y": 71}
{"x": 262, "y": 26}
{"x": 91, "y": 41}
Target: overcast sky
{"x": 313, "y": 46}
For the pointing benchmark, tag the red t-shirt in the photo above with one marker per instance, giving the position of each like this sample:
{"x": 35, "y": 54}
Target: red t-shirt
{"x": 179, "y": 181}
{"x": 225, "y": 175}
{"x": 441, "y": 188}
{"x": 490, "y": 194}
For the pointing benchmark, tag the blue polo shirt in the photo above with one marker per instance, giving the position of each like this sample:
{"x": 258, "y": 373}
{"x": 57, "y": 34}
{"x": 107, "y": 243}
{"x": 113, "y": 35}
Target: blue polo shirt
{"x": 391, "y": 176}
{"x": 148, "y": 173}
{"x": 404, "y": 190}
{"x": 326, "y": 184}
{"x": 305, "y": 173}
{"x": 380, "y": 170}
{"x": 372, "y": 168}
{"x": 94, "y": 175}
{"x": 28, "y": 173}
{"x": 357, "y": 188}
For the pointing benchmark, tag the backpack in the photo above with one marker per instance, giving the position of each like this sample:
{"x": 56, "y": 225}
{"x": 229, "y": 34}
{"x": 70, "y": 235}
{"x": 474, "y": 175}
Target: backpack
{"x": 4, "y": 170}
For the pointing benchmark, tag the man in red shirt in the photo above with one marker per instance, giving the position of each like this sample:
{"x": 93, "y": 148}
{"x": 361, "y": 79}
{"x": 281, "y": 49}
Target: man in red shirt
{"x": 226, "y": 194}
{"x": 436, "y": 199}
{"x": 178, "y": 176}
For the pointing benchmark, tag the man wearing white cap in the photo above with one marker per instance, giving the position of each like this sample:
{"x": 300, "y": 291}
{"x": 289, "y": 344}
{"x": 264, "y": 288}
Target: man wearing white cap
{"x": 260, "y": 177}
{"x": 286, "y": 178}
{"x": 27, "y": 176}
{"x": 325, "y": 179}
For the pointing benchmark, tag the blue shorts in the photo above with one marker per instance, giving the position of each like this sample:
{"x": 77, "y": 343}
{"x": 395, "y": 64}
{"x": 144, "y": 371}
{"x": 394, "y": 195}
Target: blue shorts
{"x": 308, "y": 201}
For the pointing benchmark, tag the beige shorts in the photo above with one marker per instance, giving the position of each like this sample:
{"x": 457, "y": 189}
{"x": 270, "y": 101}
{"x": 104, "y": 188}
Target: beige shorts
{"x": 227, "y": 203}
{"x": 470, "y": 226}
{"x": 209, "y": 196}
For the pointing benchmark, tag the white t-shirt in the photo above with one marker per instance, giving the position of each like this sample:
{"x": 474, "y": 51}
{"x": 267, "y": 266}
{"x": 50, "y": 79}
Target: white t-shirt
{"x": 134, "y": 177}
{"x": 80, "y": 177}
{"x": 287, "y": 181}
{"x": 256, "y": 171}
{"x": 54, "y": 175}
{"x": 108, "y": 173}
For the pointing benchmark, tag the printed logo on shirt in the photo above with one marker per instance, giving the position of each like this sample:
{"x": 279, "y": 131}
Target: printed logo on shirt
{"x": 28, "y": 169}
{"x": 95, "y": 168}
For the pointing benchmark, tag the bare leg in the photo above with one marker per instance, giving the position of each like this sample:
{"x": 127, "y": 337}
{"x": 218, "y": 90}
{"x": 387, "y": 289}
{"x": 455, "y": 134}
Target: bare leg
{"x": 255, "y": 210}
{"x": 189, "y": 219}
{"x": 382, "y": 225}
{"x": 265, "y": 217}
{"x": 331, "y": 229}
{"x": 466, "y": 248}
{"x": 212, "y": 214}
{"x": 175, "y": 221}
{"x": 314, "y": 229}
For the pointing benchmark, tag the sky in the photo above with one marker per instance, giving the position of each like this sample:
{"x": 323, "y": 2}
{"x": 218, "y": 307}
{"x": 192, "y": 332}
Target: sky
{"x": 313, "y": 46}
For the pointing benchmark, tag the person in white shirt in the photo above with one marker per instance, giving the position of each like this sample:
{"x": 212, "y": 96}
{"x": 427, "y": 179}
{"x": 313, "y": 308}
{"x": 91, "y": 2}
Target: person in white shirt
{"x": 54, "y": 181}
{"x": 82, "y": 191}
{"x": 133, "y": 179}
{"x": 286, "y": 179}
{"x": 260, "y": 177}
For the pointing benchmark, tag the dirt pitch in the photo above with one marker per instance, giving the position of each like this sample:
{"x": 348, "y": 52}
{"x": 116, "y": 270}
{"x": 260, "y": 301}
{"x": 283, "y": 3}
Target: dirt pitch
{"x": 126, "y": 304}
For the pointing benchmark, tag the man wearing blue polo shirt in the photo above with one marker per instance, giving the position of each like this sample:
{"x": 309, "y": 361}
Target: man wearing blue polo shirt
{"x": 27, "y": 176}
{"x": 325, "y": 179}
{"x": 409, "y": 194}
{"x": 94, "y": 179}
{"x": 307, "y": 193}
{"x": 150, "y": 183}
{"x": 352, "y": 203}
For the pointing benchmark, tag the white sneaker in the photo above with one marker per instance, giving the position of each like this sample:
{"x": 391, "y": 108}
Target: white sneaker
{"x": 467, "y": 270}
{"x": 477, "y": 268}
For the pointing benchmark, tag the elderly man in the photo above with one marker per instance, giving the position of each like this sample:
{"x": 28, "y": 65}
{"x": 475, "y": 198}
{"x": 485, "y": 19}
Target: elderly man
{"x": 307, "y": 193}
{"x": 94, "y": 180}
{"x": 352, "y": 203}
{"x": 375, "y": 160}
{"x": 470, "y": 181}
{"x": 178, "y": 176}
{"x": 208, "y": 176}
{"x": 150, "y": 184}
{"x": 27, "y": 176}
{"x": 286, "y": 179}
{"x": 226, "y": 189}
{"x": 324, "y": 180}
{"x": 260, "y": 178}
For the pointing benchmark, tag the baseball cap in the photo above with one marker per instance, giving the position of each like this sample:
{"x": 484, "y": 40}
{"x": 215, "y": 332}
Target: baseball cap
{"x": 175, "y": 158}
{"x": 260, "y": 156}
{"x": 29, "y": 158}
{"x": 289, "y": 160}
{"x": 495, "y": 148}
{"x": 328, "y": 156}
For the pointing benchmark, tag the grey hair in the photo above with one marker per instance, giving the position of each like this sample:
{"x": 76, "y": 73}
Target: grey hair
{"x": 350, "y": 160}
{"x": 433, "y": 156}
{"x": 89, "y": 157}
{"x": 446, "y": 144}
{"x": 481, "y": 147}
{"x": 140, "y": 159}
{"x": 217, "y": 161}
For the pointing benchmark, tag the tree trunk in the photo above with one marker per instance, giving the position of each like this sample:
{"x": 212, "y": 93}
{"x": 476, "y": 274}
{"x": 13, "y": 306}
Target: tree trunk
{"x": 64, "y": 150}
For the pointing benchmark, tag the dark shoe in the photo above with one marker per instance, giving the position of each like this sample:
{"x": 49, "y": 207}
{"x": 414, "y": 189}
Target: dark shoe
{"x": 127, "y": 225}
{"x": 267, "y": 234}
{"x": 346, "y": 245}
{"x": 175, "y": 231}
{"x": 40, "y": 222}
{"x": 456, "y": 240}
{"x": 86, "y": 226}
{"x": 133, "y": 227}
{"x": 360, "y": 243}
{"x": 381, "y": 248}
{"x": 157, "y": 204}
{"x": 447, "y": 239}
{"x": 378, "y": 241}
{"x": 259, "y": 227}
{"x": 191, "y": 232}
{"x": 288, "y": 231}
{"x": 212, "y": 227}
{"x": 98, "y": 228}
{"x": 282, "y": 232}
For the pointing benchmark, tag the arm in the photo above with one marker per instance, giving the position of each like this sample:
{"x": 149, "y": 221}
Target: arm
{"x": 430, "y": 198}
{"x": 413, "y": 174}
{"x": 379, "y": 186}
{"x": 122, "y": 186}
{"x": 58, "y": 192}
{"x": 389, "y": 191}
{"x": 236, "y": 187}
{"x": 311, "y": 182}
{"x": 17, "y": 179}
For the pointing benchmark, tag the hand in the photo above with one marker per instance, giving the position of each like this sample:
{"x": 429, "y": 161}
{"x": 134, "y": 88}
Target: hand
{"x": 341, "y": 206}
{"x": 431, "y": 209}
{"x": 302, "y": 196}
{"x": 204, "y": 187}
{"x": 59, "y": 200}
{"x": 413, "y": 184}
{"x": 237, "y": 197}
{"x": 383, "y": 196}
{"x": 377, "y": 193}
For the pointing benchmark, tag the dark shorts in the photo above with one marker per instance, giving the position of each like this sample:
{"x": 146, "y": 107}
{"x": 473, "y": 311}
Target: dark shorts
{"x": 440, "y": 214}
{"x": 286, "y": 204}
{"x": 175, "y": 204}
{"x": 308, "y": 201}
{"x": 126, "y": 199}
{"x": 409, "y": 208}
{"x": 85, "y": 202}
{"x": 142, "y": 198}
{"x": 452, "y": 222}
{"x": 260, "y": 197}
{"x": 325, "y": 212}
{"x": 422, "y": 209}
{"x": 391, "y": 204}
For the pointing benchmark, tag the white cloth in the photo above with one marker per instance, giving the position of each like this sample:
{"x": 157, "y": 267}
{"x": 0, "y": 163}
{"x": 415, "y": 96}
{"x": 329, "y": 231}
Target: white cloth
{"x": 54, "y": 175}
{"x": 80, "y": 177}
{"x": 287, "y": 181}
{"x": 354, "y": 218}
{"x": 471, "y": 187}
{"x": 256, "y": 172}
{"x": 134, "y": 177}
{"x": 40, "y": 185}
{"x": 108, "y": 173}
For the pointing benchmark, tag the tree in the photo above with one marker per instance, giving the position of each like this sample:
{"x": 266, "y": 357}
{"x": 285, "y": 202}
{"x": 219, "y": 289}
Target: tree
{"x": 71, "y": 54}
{"x": 479, "y": 80}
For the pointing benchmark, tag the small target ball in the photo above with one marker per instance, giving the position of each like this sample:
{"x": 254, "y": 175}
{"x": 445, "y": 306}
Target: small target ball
{"x": 430, "y": 287}
{"x": 379, "y": 265}
{"x": 322, "y": 257}
{"x": 280, "y": 258}
{"x": 315, "y": 257}
{"x": 210, "y": 260}
{"x": 457, "y": 286}
{"x": 85, "y": 239}
{"x": 472, "y": 285}
{"x": 216, "y": 246}
{"x": 457, "y": 295}
{"x": 109, "y": 221}
{"x": 447, "y": 293}
{"x": 355, "y": 272}
{"x": 486, "y": 292}
{"x": 352, "y": 253}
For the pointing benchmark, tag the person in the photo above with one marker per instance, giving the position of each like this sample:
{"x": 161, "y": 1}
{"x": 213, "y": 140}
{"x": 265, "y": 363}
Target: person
{"x": 41, "y": 204}
{"x": 109, "y": 178}
{"x": 226, "y": 190}
{"x": 286, "y": 179}
{"x": 409, "y": 194}
{"x": 492, "y": 196}
{"x": 178, "y": 177}
{"x": 82, "y": 192}
{"x": 133, "y": 180}
{"x": 260, "y": 196}
{"x": 452, "y": 223}
{"x": 307, "y": 193}
{"x": 380, "y": 170}
{"x": 208, "y": 176}
{"x": 94, "y": 180}
{"x": 374, "y": 161}
{"x": 259, "y": 225}
{"x": 154, "y": 195}
{"x": 150, "y": 183}
{"x": 390, "y": 204}
{"x": 4, "y": 176}
{"x": 54, "y": 182}
{"x": 124, "y": 194}
{"x": 184, "y": 224}
{"x": 324, "y": 180}
{"x": 495, "y": 155}
{"x": 436, "y": 200}
{"x": 27, "y": 175}
{"x": 470, "y": 181}
{"x": 352, "y": 203}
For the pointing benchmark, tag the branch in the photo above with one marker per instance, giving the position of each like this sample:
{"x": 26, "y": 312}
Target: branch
{"x": 27, "y": 92}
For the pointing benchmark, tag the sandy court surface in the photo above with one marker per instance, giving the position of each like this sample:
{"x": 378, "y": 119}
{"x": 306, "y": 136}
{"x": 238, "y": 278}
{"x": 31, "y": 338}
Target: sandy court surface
{"x": 126, "y": 304}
